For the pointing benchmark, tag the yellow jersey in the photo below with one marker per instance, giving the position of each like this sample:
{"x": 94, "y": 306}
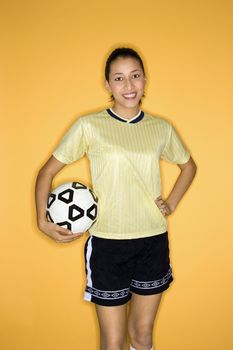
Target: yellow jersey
{"x": 124, "y": 157}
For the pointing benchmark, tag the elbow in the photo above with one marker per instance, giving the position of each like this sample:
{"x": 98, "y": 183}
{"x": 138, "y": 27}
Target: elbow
{"x": 44, "y": 172}
{"x": 193, "y": 168}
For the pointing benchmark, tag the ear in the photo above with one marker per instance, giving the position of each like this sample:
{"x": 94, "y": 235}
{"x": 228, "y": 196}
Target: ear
{"x": 106, "y": 83}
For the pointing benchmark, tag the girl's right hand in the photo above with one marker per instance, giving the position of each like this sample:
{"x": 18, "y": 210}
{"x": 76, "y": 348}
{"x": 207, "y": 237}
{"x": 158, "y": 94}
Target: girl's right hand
{"x": 58, "y": 233}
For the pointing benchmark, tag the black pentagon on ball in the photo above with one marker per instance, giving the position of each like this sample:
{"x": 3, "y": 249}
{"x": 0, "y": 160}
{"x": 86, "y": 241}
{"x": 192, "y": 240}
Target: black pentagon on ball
{"x": 66, "y": 196}
{"x": 78, "y": 185}
{"x": 65, "y": 224}
{"x": 90, "y": 213}
{"x": 51, "y": 199}
{"x": 75, "y": 212}
{"x": 93, "y": 195}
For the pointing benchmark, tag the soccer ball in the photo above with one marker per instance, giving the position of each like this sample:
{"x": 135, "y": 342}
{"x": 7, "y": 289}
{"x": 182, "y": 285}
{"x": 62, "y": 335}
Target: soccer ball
{"x": 73, "y": 205}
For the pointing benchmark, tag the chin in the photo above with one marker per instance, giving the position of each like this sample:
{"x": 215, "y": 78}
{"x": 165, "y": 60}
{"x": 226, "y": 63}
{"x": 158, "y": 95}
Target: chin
{"x": 130, "y": 104}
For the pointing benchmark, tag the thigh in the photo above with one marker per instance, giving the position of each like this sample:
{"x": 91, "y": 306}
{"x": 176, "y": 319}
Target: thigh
{"x": 112, "y": 323}
{"x": 143, "y": 310}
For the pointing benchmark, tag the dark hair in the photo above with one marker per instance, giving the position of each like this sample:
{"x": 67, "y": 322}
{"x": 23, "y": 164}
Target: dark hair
{"x": 121, "y": 52}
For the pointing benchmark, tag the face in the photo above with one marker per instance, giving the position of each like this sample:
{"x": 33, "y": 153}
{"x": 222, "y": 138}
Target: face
{"x": 126, "y": 83}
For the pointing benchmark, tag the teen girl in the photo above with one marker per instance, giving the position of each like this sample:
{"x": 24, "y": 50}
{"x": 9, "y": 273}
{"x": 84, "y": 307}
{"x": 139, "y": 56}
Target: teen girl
{"x": 127, "y": 251}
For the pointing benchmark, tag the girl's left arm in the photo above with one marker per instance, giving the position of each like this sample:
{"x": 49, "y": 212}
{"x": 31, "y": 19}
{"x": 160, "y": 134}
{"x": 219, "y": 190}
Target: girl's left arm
{"x": 184, "y": 180}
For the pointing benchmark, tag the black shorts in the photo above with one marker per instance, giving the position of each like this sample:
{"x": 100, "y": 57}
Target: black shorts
{"x": 115, "y": 268}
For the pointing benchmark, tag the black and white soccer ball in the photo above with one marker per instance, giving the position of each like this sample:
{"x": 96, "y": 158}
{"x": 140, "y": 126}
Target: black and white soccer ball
{"x": 73, "y": 205}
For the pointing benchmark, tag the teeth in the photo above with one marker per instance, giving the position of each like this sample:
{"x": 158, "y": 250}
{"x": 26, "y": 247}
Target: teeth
{"x": 129, "y": 95}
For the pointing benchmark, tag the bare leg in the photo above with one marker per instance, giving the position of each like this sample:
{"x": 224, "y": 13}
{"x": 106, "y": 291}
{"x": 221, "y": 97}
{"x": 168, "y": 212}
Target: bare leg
{"x": 112, "y": 323}
{"x": 141, "y": 320}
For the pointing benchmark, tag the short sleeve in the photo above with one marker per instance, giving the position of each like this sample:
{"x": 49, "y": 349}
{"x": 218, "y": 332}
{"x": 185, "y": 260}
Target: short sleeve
{"x": 73, "y": 145}
{"x": 175, "y": 151}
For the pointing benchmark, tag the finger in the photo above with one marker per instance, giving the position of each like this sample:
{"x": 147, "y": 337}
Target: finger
{"x": 71, "y": 237}
{"x": 63, "y": 231}
{"x": 160, "y": 202}
{"x": 76, "y": 236}
{"x": 167, "y": 211}
{"x": 62, "y": 241}
{"x": 161, "y": 206}
{"x": 66, "y": 240}
{"x": 77, "y": 233}
{"x": 159, "y": 197}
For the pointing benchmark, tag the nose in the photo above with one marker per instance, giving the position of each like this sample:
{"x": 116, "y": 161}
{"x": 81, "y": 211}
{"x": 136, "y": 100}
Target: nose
{"x": 128, "y": 84}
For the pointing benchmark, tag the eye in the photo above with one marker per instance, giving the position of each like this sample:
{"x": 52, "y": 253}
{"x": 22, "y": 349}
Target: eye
{"x": 136, "y": 75}
{"x": 119, "y": 79}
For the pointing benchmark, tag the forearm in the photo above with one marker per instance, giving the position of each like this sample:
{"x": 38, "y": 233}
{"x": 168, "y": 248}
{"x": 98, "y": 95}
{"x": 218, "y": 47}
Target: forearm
{"x": 182, "y": 183}
{"x": 42, "y": 190}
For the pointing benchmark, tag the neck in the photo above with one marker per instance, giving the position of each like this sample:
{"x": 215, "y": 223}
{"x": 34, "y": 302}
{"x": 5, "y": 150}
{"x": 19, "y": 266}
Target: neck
{"x": 126, "y": 112}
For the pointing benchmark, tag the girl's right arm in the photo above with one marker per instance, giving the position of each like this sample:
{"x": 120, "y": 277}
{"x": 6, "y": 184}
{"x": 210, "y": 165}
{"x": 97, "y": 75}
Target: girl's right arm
{"x": 42, "y": 189}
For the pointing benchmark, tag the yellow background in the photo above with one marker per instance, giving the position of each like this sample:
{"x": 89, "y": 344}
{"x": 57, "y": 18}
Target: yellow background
{"x": 52, "y": 61}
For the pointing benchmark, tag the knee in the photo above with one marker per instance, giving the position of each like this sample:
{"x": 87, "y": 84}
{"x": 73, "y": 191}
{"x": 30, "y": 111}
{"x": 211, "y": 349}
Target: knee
{"x": 113, "y": 347}
{"x": 141, "y": 335}
{"x": 112, "y": 344}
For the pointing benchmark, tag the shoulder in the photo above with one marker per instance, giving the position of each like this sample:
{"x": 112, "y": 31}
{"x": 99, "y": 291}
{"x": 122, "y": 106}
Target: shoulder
{"x": 157, "y": 121}
{"x": 94, "y": 116}
{"x": 86, "y": 121}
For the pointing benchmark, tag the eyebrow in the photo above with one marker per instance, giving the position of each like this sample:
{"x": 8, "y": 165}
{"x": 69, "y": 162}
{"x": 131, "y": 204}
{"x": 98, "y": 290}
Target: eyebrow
{"x": 135, "y": 70}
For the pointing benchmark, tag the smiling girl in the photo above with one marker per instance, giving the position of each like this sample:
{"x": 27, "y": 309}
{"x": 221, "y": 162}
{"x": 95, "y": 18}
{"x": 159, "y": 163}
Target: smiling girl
{"x": 127, "y": 251}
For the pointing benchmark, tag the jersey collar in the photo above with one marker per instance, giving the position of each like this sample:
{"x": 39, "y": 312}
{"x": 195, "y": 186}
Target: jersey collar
{"x": 135, "y": 119}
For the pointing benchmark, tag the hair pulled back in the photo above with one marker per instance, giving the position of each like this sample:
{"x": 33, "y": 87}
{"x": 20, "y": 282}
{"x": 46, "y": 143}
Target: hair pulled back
{"x": 121, "y": 52}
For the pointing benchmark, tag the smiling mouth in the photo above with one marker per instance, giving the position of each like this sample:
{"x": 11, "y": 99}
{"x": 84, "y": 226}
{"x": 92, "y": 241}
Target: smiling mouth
{"x": 130, "y": 96}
